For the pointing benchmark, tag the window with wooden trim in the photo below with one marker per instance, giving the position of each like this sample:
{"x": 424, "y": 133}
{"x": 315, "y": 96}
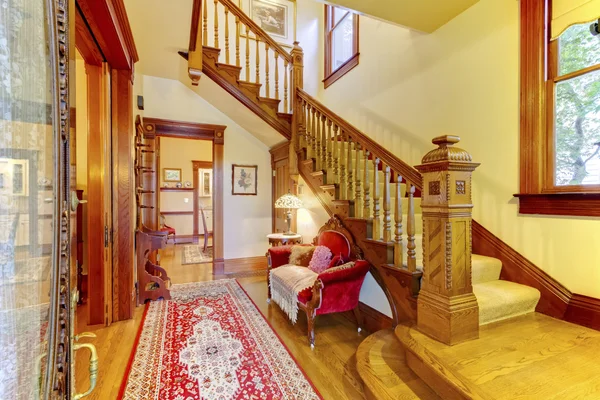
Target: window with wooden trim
{"x": 560, "y": 107}
{"x": 341, "y": 43}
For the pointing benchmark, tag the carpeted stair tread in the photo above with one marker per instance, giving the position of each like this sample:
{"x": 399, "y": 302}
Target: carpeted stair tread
{"x": 499, "y": 300}
{"x": 381, "y": 364}
{"x": 485, "y": 269}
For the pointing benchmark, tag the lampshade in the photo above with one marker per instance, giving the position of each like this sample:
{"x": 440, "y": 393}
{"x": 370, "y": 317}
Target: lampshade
{"x": 288, "y": 200}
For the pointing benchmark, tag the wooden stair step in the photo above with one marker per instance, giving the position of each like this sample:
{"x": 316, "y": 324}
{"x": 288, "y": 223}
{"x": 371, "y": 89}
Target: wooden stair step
{"x": 523, "y": 357}
{"x": 212, "y": 53}
{"x": 318, "y": 173}
{"x": 269, "y": 102}
{"x": 252, "y": 87}
{"x": 381, "y": 365}
{"x": 285, "y": 116}
{"x": 232, "y": 70}
{"x": 330, "y": 187}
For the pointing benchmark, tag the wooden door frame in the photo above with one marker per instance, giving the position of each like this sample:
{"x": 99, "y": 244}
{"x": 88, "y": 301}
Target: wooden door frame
{"x": 195, "y": 166}
{"x": 216, "y": 134}
{"x": 103, "y": 34}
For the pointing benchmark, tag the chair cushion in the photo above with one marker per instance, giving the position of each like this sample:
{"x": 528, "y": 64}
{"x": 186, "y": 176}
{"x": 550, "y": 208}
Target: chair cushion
{"x": 320, "y": 259}
{"x": 337, "y": 243}
{"x": 301, "y": 255}
{"x": 339, "y": 268}
{"x": 337, "y": 260}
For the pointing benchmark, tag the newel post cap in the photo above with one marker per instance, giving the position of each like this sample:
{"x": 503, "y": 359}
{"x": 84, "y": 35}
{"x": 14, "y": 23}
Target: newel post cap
{"x": 447, "y": 153}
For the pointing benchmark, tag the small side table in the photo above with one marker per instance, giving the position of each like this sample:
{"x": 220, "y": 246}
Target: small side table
{"x": 279, "y": 239}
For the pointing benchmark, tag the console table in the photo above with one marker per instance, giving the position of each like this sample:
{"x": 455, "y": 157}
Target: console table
{"x": 279, "y": 239}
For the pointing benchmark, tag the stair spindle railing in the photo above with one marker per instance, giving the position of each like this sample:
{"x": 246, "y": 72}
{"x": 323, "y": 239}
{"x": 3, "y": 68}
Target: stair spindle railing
{"x": 387, "y": 207}
{"x": 343, "y": 176}
{"x": 367, "y": 190}
{"x": 329, "y": 148}
{"x": 205, "y": 24}
{"x": 358, "y": 208}
{"x": 323, "y": 143}
{"x": 336, "y": 155}
{"x": 226, "y": 35}
{"x": 318, "y": 138}
{"x": 216, "y": 24}
{"x": 376, "y": 217}
{"x": 411, "y": 260}
{"x": 350, "y": 170}
{"x": 398, "y": 242}
{"x": 237, "y": 41}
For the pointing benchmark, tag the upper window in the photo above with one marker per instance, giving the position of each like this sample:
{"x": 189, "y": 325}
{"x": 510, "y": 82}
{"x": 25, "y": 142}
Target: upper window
{"x": 341, "y": 43}
{"x": 575, "y": 111}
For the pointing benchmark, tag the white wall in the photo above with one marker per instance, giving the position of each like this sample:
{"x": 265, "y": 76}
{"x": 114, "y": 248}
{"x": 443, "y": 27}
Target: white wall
{"x": 247, "y": 219}
{"x": 463, "y": 80}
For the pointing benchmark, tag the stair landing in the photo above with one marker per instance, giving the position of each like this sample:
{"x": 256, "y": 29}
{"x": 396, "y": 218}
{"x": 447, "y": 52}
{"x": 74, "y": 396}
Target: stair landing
{"x": 529, "y": 357}
{"x": 381, "y": 365}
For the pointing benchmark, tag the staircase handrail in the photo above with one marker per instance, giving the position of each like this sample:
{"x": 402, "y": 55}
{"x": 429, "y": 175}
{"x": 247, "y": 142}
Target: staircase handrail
{"x": 408, "y": 172}
{"x": 257, "y": 30}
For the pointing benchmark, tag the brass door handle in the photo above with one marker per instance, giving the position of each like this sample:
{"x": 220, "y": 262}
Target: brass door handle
{"x": 75, "y": 201}
{"x": 93, "y": 366}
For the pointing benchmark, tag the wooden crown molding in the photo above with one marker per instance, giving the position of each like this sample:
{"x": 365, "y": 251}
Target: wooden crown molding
{"x": 108, "y": 22}
{"x": 84, "y": 42}
{"x": 185, "y": 130}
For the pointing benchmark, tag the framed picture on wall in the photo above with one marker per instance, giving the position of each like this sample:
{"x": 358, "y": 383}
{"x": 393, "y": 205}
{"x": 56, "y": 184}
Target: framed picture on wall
{"x": 276, "y": 17}
{"x": 172, "y": 174}
{"x": 205, "y": 183}
{"x": 244, "y": 180}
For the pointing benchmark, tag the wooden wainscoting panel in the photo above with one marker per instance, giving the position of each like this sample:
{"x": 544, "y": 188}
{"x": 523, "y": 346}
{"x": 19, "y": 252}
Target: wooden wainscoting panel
{"x": 584, "y": 310}
{"x": 247, "y": 264}
{"x": 373, "y": 320}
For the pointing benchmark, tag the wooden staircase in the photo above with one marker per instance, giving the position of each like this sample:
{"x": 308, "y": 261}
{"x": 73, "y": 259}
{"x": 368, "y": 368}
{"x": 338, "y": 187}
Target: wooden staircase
{"x": 377, "y": 197}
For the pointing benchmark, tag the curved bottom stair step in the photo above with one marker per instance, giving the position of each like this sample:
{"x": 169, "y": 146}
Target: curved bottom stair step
{"x": 500, "y": 300}
{"x": 382, "y": 367}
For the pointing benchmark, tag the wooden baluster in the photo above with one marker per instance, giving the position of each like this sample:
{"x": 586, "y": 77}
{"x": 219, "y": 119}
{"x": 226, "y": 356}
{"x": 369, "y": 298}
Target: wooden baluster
{"x": 387, "y": 207}
{"x": 318, "y": 142}
{"x": 410, "y": 230}
{"x": 205, "y": 24}
{"x": 329, "y": 149}
{"x": 226, "y": 35}
{"x": 267, "y": 89}
{"x": 257, "y": 60}
{"x": 398, "y": 244}
{"x": 367, "y": 190}
{"x": 304, "y": 130}
{"x": 343, "y": 187}
{"x": 247, "y": 54}
{"x": 323, "y": 143}
{"x": 216, "y": 24}
{"x": 376, "y": 217}
{"x": 358, "y": 208}
{"x": 285, "y": 86}
{"x": 349, "y": 172}
{"x": 237, "y": 41}
{"x": 277, "y": 75}
{"x": 313, "y": 136}
{"x": 336, "y": 154}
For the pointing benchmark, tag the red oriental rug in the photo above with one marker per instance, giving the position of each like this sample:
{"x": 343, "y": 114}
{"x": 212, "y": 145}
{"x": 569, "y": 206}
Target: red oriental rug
{"x": 210, "y": 342}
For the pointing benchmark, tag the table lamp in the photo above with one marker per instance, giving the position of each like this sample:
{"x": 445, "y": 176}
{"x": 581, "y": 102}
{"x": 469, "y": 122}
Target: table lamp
{"x": 288, "y": 201}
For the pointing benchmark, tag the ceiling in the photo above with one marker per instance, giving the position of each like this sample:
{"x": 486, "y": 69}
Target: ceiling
{"x": 421, "y": 15}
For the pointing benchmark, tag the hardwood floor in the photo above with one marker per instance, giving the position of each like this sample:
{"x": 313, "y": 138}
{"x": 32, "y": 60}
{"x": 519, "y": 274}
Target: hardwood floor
{"x": 331, "y": 365}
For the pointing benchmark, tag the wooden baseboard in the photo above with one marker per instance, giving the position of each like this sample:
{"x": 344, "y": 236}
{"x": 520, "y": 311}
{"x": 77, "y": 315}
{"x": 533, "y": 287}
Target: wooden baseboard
{"x": 194, "y": 239}
{"x": 373, "y": 320}
{"x": 556, "y": 300}
{"x": 246, "y": 264}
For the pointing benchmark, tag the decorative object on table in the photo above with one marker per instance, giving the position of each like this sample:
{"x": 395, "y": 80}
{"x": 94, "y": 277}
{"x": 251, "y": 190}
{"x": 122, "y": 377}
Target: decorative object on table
{"x": 276, "y": 17}
{"x": 279, "y": 239}
{"x": 172, "y": 174}
{"x": 195, "y": 254}
{"x": 288, "y": 201}
{"x": 165, "y": 184}
{"x": 244, "y": 180}
{"x": 187, "y": 184}
{"x": 211, "y": 342}
{"x": 178, "y": 185}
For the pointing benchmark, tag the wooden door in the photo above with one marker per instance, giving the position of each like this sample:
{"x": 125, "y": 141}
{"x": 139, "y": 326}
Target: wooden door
{"x": 282, "y": 184}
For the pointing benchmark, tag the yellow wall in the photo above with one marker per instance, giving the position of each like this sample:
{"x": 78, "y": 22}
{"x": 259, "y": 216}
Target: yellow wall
{"x": 463, "y": 80}
{"x": 179, "y": 153}
{"x": 81, "y": 139}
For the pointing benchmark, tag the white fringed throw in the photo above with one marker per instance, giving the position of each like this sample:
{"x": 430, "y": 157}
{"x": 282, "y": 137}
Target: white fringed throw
{"x": 286, "y": 282}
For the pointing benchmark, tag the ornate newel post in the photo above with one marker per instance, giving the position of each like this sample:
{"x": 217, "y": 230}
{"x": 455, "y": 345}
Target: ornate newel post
{"x": 297, "y": 82}
{"x": 447, "y": 310}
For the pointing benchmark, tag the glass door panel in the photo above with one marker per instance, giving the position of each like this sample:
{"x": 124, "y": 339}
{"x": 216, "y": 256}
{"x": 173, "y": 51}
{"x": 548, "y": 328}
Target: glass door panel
{"x": 28, "y": 191}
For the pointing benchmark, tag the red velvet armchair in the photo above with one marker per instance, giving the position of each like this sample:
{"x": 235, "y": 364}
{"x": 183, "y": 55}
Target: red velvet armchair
{"x": 332, "y": 292}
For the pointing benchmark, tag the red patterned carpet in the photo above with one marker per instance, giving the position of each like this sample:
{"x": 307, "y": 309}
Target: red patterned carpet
{"x": 211, "y": 342}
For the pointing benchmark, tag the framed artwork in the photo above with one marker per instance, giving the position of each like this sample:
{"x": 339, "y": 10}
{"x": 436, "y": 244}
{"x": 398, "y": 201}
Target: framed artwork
{"x": 276, "y": 17}
{"x": 14, "y": 176}
{"x": 244, "y": 180}
{"x": 205, "y": 183}
{"x": 172, "y": 174}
